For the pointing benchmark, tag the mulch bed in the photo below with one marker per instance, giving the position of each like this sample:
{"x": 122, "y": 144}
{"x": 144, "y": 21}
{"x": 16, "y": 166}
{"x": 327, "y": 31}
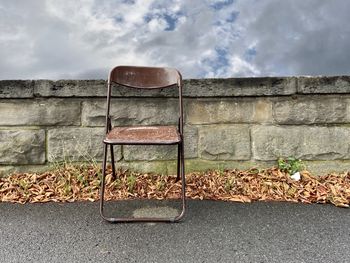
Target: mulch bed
{"x": 81, "y": 183}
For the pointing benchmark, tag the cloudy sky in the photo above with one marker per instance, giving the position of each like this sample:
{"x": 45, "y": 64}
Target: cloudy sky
{"x": 56, "y": 39}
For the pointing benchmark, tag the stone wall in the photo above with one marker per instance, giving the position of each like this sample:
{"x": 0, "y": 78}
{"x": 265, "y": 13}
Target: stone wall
{"x": 233, "y": 123}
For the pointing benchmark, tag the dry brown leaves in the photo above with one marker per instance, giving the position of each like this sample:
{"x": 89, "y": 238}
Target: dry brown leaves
{"x": 81, "y": 183}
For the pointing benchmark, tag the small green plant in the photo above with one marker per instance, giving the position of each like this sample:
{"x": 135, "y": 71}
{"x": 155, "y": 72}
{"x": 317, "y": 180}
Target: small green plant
{"x": 24, "y": 186}
{"x": 67, "y": 189}
{"x": 254, "y": 171}
{"x": 221, "y": 170}
{"x": 82, "y": 179}
{"x": 131, "y": 182}
{"x": 290, "y": 165}
{"x": 228, "y": 185}
{"x": 116, "y": 184}
{"x": 160, "y": 185}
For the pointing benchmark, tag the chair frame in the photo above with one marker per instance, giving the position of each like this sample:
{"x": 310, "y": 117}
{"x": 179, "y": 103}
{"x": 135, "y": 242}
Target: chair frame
{"x": 174, "y": 79}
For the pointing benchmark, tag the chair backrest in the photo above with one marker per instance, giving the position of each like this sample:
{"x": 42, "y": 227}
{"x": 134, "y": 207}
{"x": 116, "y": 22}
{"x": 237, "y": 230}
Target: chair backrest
{"x": 146, "y": 78}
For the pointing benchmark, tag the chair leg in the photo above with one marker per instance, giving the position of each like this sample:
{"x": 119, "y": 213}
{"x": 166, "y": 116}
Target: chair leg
{"x": 178, "y": 162}
{"x": 102, "y": 188}
{"x": 114, "y": 175}
{"x": 180, "y": 173}
{"x": 183, "y": 184}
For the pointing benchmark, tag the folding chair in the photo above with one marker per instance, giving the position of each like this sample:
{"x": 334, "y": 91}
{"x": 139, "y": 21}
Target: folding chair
{"x": 144, "y": 78}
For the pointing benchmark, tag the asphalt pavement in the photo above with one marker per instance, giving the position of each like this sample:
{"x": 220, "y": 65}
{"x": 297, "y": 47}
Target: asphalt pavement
{"x": 210, "y": 232}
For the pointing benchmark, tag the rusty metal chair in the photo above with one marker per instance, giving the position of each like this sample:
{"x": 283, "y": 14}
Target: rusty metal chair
{"x": 144, "y": 78}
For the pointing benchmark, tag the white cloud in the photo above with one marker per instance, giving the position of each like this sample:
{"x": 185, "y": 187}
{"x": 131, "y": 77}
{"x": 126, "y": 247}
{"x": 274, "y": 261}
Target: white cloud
{"x": 297, "y": 37}
{"x": 241, "y": 67}
{"x": 85, "y": 38}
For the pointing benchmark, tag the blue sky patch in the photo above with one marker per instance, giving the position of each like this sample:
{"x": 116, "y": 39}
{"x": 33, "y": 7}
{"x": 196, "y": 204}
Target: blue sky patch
{"x": 118, "y": 19}
{"x": 250, "y": 54}
{"x": 128, "y": 2}
{"x": 171, "y": 19}
{"x": 221, "y": 4}
{"x": 218, "y": 63}
{"x": 221, "y": 57}
{"x": 233, "y": 17}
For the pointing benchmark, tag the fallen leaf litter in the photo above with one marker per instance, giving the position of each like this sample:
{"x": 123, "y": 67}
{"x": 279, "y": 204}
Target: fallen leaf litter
{"x": 82, "y": 183}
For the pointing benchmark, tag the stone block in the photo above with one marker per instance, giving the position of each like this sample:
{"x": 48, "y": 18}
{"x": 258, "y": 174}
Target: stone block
{"x": 122, "y": 91}
{"x": 224, "y": 142}
{"x": 133, "y": 111}
{"x": 149, "y": 152}
{"x": 306, "y": 143}
{"x": 233, "y": 110}
{"x": 265, "y": 86}
{"x": 323, "y": 84}
{"x": 16, "y": 88}
{"x": 40, "y": 112}
{"x": 77, "y": 144}
{"x": 326, "y": 167}
{"x": 310, "y": 110}
{"x": 22, "y": 146}
{"x": 190, "y": 141}
{"x": 94, "y": 88}
{"x": 199, "y": 165}
{"x": 157, "y": 167}
{"x": 6, "y": 170}
{"x": 70, "y": 88}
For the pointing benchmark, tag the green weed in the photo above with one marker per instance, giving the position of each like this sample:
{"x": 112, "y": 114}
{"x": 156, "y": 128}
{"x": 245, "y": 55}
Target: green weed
{"x": 131, "y": 182}
{"x": 160, "y": 185}
{"x": 290, "y": 165}
{"x": 228, "y": 185}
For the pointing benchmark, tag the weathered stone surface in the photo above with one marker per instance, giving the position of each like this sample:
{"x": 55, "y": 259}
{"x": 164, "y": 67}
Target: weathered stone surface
{"x": 314, "y": 85}
{"x": 77, "y": 144}
{"x": 194, "y": 165}
{"x": 234, "y": 110}
{"x": 94, "y": 88}
{"x": 199, "y": 165}
{"x": 121, "y": 91}
{"x": 191, "y": 141}
{"x": 39, "y": 112}
{"x": 266, "y": 86}
{"x": 149, "y": 152}
{"x": 309, "y": 110}
{"x": 326, "y": 167}
{"x": 6, "y": 170}
{"x": 134, "y": 111}
{"x": 159, "y": 167}
{"x": 16, "y": 88}
{"x": 224, "y": 142}
{"x": 22, "y": 146}
{"x": 218, "y": 117}
{"x": 307, "y": 143}
{"x": 70, "y": 88}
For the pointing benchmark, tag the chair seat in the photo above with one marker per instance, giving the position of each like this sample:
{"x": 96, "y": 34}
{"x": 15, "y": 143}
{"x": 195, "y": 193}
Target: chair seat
{"x": 143, "y": 135}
